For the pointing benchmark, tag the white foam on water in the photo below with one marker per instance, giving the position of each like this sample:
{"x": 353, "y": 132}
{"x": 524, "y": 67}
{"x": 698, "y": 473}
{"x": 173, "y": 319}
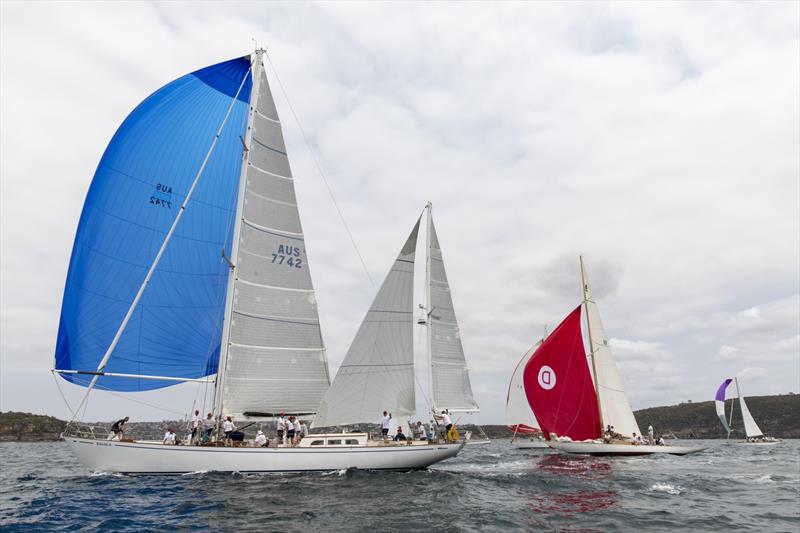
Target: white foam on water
{"x": 195, "y": 472}
{"x": 339, "y": 473}
{"x": 766, "y": 478}
{"x": 101, "y": 474}
{"x": 666, "y": 487}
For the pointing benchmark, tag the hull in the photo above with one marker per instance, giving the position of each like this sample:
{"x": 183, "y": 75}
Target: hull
{"x": 591, "y": 448}
{"x": 145, "y": 458}
{"x": 768, "y": 443}
{"x": 531, "y": 445}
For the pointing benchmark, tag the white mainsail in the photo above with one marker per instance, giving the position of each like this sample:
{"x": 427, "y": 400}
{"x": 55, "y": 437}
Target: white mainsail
{"x": 519, "y": 414}
{"x": 449, "y": 380}
{"x": 751, "y": 429}
{"x": 615, "y": 408}
{"x": 377, "y": 373}
{"x": 273, "y": 357}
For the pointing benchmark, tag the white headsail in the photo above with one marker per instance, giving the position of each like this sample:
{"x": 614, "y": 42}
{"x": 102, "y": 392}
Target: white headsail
{"x": 450, "y": 384}
{"x": 378, "y": 371}
{"x": 614, "y": 405}
{"x": 519, "y": 415}
{"x": 273, "y": 357}
{"x": 751, "y": 429}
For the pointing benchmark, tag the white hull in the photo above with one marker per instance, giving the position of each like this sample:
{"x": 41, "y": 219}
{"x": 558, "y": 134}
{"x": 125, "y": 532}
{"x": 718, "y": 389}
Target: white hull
{"x": 531, "y": 445}
{"x": 767, "y": 443}
{"x": 146, "y": 458}
{"x": 592, "y": 448}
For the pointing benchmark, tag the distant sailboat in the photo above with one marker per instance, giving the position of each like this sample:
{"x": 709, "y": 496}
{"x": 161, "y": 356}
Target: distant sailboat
{"x": 377, "y": 373}
{"x": 754, "y": 435}
{"x": 519, "y": 414}
{"x": 581, "y": 411}
{"x": 190, "y": 265}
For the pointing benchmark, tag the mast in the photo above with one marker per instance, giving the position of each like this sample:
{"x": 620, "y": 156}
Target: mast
{"x": 237, "y": 230}
{"x": 428, "y": 307}
{"x": 591, "y": 344}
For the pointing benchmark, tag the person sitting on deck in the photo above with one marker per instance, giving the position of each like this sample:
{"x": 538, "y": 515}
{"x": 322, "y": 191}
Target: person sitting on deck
{"x": 399, "y": 436}
{"x": 169, "y": 437}
{"x": 261, "y": 439}
{"x": 228, "y": 428}
{"x": 303, "y": 429}
{"x": 660, "y": 440}
{"x": 118, "y": 428}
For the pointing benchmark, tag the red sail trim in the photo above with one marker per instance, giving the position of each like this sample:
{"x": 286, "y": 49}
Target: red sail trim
{"x": 523, "y": 429}
{"x": 558, "y": 384}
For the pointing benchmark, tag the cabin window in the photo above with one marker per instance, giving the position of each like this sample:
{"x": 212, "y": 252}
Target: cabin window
{"x": 334, "y": 442}
{"x": 317, "y": 442}
{"x": 351, "y": 441}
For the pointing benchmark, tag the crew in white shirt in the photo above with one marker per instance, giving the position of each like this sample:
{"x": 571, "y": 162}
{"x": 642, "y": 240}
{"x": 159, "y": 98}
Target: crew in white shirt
{"x": 385, "y": 423}
{"x": 228, "y": 428}
{"x": 280, "y": 427}
{"x": 169, "y": 436}
{"x": 261, "y": 439}
{"x": 194, "y": 425}
{"x": 298, "y": 427}
{"x": 303, "y": 429}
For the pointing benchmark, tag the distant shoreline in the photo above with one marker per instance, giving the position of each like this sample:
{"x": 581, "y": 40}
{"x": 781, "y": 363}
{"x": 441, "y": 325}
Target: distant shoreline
{"x": 778, "y": 416}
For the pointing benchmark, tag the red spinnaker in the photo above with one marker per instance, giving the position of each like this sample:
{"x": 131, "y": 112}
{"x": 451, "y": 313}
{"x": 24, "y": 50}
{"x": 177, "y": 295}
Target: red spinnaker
{"x": 559, "y": 387}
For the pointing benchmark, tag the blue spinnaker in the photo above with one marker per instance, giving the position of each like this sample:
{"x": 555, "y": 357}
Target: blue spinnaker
{"x": 137, "y": 190}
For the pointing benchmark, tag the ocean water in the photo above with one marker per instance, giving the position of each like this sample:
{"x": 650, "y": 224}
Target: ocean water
{"x": 486, "y": 488}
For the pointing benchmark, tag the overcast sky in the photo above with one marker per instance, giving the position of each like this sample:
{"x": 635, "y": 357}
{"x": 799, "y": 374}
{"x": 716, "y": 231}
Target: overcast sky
{"x": 661, "y": 141}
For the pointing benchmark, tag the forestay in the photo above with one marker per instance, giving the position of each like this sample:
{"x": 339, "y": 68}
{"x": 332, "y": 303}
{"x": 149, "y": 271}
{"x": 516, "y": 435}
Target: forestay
{"x": 449, "y": 374}
{"x": 377, "y": 373}
{"x": 137, "y": 190}
{"x": 614, "y": 405}
{"x": 275, "y": 358}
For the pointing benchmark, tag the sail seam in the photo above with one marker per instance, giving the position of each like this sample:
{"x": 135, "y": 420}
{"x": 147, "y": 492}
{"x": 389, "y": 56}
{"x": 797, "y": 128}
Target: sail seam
{"x": 283, "y": 233}
{"x": 268, "y": 199}
{"x": 262, "y": 115}
{"x": 268, "y": 172}
{"x": 240, "y": 345}
{"x": 289, "y": 178}
{"x": 254, "y": 284}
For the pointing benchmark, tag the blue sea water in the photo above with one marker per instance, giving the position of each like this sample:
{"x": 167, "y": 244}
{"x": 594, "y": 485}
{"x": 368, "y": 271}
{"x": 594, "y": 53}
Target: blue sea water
{"x": 486, "y": 488}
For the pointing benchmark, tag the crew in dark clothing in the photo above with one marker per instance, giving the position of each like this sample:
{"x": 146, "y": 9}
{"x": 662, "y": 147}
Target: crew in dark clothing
{"x": 399, "y": 436}
{"x": 118, "y": 428}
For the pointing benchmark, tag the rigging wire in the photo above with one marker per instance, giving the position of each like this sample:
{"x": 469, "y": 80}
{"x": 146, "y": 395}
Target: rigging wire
{"x": 320, "y": 171}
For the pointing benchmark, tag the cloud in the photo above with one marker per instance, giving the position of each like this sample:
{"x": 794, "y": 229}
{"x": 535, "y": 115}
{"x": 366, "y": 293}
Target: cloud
{"x": 658, "y": 141}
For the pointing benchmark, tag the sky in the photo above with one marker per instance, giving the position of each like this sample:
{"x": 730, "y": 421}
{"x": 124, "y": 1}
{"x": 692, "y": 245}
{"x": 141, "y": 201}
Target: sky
{"x": 659, "y": 140}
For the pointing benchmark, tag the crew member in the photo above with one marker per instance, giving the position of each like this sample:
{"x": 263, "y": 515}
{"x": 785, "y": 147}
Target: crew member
{"x": 194, "y": 425}
{"x": 261, "y": 439}
{"x": 118, "y": 428}
{"x": 228, "y": 428}
{"x": 387, "y": 417}
{"x": 169, "y": 436}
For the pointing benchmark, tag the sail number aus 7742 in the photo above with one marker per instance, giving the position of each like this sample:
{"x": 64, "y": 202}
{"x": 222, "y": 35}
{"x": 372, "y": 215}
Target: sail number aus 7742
{"x": 287, "y": 255}
{"x": 162, "y": 196}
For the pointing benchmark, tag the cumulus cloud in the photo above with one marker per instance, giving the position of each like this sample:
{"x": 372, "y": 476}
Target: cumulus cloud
{"x": 659, "y": 141}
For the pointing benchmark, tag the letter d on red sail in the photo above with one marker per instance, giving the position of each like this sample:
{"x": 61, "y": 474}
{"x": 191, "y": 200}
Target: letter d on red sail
{"x": 558, "y": 385}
